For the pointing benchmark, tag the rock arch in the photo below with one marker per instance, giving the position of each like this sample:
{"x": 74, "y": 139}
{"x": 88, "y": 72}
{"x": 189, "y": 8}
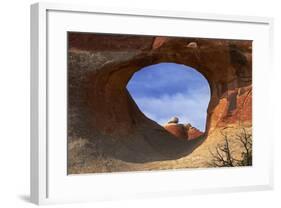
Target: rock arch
{"x": 99, "y": 70}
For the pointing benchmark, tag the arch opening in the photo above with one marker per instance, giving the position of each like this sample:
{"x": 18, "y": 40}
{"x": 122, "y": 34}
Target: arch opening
{"x": 167, "y": 91}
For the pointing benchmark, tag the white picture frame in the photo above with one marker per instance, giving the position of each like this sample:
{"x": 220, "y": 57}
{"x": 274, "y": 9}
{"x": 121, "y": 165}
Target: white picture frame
{"x": 49, "y": 181}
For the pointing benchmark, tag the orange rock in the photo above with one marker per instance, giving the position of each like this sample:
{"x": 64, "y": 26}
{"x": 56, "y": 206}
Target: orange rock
{"x": 177, "y": 130}
{"x": 194, "y": 133}
{"x": 158, "y": 42}
{"x": 183, "y": 131}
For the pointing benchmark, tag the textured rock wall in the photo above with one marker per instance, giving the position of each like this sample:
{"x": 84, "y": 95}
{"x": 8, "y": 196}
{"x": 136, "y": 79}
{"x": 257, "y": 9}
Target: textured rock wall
{"x": 103, "y": 69}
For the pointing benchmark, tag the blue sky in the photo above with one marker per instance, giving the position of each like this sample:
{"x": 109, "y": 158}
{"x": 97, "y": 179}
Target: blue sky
{"x": 165, "y": 90}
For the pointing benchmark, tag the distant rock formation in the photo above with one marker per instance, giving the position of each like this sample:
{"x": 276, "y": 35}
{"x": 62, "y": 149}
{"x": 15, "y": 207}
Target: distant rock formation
{"x": 177, "y": 130}
{"x": 192, "y": 132}
{"x": 182, "y": 131}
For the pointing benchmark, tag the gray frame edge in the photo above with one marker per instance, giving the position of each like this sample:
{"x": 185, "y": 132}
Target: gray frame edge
{"x": 34, "y": 99}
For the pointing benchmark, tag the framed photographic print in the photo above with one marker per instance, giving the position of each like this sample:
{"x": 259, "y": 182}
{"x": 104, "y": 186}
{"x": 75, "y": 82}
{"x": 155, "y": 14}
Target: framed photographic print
{"x": 131, "y": 103}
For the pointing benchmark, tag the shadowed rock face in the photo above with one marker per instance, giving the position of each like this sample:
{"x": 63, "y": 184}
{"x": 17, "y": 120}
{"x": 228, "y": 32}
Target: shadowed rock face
{"x": 100, "y": 66}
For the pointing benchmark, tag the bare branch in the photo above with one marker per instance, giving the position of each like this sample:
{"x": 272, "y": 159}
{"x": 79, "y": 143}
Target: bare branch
{"x": 223, "y": 156}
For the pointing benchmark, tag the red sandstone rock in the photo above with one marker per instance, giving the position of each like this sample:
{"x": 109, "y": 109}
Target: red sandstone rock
{"x": 181, "y": 131}
{"x": 194, "y": 133}
{"x": 158, "y": 42}
{"x": 178, "y": 130}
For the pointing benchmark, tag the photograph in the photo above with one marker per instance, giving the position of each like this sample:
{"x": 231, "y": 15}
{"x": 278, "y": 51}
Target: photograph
{"x": 144, "y": 103}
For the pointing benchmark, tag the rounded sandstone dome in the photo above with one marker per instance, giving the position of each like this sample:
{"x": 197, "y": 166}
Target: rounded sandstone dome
{"x": 178, "y": 130}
